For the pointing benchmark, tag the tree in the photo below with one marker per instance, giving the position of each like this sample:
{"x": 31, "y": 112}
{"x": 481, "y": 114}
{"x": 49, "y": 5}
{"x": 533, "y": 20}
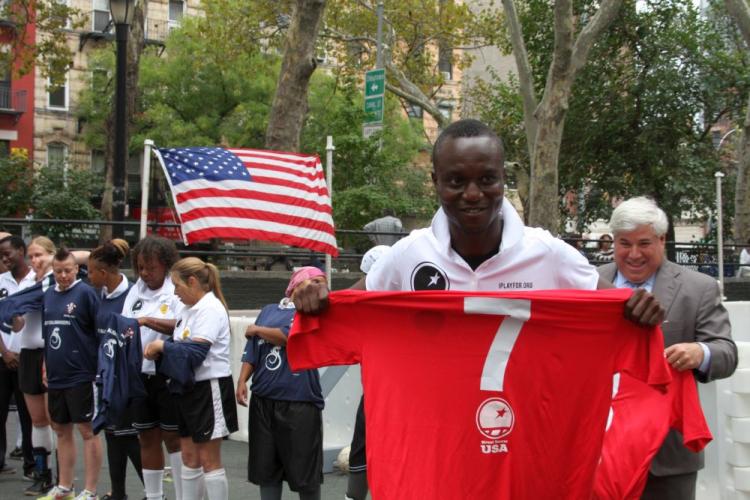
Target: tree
{"x": 188, "y": 98}
{"x": 290, "y": 101}
{"x": 49, "y": 50}
{"x": 64, "y": 193}
{"x": 423, "y": 41}
{"x": 740, "y": 12}
{"x": 545, "y": 118}
{"x": 640, "y": 119}
{"x": 18, "y": 180}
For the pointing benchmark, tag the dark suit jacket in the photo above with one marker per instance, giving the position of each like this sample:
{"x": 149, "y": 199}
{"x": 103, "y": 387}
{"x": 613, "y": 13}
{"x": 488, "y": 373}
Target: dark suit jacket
{"x": 694, "y": 313}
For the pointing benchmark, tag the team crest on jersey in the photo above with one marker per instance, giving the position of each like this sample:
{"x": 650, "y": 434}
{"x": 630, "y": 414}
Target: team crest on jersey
{"x": 128, "y": 334}
{"x": 70, "y": 308}
{"x": 109, "y": 348}
{"x": 164, "y": 308}
{"x": 273, "y": 359}
{"x": 495, "y": 420}
{"x": 185, "y": 333}
{"x": 55, "y": 341}
{"x": 137, "y": 306}
{"x": 3, "y": 293}
{"x": 427, "y": 276}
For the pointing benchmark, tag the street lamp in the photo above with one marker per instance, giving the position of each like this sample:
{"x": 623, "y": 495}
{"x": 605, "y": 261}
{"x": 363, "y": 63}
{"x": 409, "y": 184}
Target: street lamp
{"x": 122, "y": 16}
{"x": 720, "y": 217}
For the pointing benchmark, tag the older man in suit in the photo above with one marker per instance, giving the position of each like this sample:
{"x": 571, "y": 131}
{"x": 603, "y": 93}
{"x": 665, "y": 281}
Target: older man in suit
{"x": 697, "y": 333}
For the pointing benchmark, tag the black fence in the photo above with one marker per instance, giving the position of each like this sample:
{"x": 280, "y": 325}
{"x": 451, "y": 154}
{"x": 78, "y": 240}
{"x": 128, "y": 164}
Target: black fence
{"x": 264, "y": 256}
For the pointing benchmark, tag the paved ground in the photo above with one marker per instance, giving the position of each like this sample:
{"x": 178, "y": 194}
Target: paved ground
{"x": 234, "y": 456}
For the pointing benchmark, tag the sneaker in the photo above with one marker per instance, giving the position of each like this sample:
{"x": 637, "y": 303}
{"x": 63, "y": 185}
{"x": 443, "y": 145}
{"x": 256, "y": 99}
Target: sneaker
{"x": 58, "y": 493}
{"x": 42, "y": 484}
{"x": 7, "y": 469}
{"x": 16, "y": 454}
{"x": 30, "y": 475}
{"x": 87, "y": 495}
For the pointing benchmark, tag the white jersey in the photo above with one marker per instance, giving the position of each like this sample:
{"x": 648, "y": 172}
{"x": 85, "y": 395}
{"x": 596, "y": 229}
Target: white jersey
{"x": 143, "y": 302}
{"x": 528, "y": 259}
{"x": 9, "y": 286}
{"x": 208, "y": 320}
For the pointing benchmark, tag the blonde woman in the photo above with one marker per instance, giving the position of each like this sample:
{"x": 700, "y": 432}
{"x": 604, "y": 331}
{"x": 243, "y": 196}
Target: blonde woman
{"x": 207, "y": 411}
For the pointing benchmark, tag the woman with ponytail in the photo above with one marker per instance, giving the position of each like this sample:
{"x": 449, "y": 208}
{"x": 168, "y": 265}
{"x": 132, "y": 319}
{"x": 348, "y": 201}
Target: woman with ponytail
{"x": 207, "y": 410}
{"x": 113, "y": 286}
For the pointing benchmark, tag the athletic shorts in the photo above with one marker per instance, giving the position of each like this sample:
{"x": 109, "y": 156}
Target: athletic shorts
{"x": 72, "y": 405}
{"x": 30, "y": 363}
{"x": 285, "y": 443}
{"x": 357, "y": 458}
{"x": 158, "y": 408}
{"x": 208, "y": 411}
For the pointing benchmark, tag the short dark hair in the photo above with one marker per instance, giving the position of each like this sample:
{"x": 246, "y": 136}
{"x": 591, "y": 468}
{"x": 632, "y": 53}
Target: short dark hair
{"x": 63, "y": 254}
{"x": 15, "y": 241}
{"x": 156, "y": 247}
{"x": 465, "y": 128}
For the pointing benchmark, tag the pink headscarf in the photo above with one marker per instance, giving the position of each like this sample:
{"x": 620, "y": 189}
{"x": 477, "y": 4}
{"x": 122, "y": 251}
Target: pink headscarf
{"x": 300, "y": 275}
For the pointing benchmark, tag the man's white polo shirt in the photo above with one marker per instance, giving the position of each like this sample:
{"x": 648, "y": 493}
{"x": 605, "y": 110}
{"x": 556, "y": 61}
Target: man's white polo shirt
{"x": 9, "y": 286}
{"x": 529, "y": 259}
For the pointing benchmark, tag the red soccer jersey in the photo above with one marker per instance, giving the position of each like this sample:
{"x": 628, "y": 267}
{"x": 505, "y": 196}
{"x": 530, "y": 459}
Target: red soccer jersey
{"x": 641, "y": 418}
{"x": 482, "y": 395}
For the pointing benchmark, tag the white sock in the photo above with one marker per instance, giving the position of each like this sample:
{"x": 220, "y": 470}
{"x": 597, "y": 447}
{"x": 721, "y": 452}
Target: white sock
{"x": 19, "y": 434}
{"x": 191, "y": 479}
{"x": 175, "y": 461}
{"x": 152, "y": 482}
{"x": 217, "y": 487}
{"x": 41, "y": 437}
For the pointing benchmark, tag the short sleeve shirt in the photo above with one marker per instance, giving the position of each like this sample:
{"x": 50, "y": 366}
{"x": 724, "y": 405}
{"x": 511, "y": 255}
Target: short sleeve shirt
{"x": 143, "y": 302}
{"x": 208, "y": 320}
{"x": 9, "y": 286}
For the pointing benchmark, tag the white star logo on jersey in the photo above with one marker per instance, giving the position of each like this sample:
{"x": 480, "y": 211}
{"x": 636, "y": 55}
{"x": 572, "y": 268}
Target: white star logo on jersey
{"x": 495, "y": 418}
{"x": 427, "y": 276}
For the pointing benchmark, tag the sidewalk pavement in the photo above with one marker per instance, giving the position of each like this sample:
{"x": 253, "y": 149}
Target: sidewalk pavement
{"x": 234, "y": 457}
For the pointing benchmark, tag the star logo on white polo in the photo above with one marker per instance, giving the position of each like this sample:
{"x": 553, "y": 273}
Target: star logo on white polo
{"x": 427, "y": 276}
{"x": 3, "y": 293}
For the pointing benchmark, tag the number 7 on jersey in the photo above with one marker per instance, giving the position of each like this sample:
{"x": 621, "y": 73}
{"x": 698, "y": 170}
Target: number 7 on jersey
{"x": 516, "y": 312}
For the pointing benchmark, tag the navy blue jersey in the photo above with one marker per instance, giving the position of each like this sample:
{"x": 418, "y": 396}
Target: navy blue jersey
{"x": 70, "y": 338}
{"x": 272, "y": 377}
{"x": 113, "y": 305}
{"x": 119, "y": 367}
{"x": 179, "y": 361}
{"x": 27, "y": 300}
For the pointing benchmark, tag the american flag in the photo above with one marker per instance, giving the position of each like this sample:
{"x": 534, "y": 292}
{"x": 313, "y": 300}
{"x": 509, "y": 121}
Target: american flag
{"x": 248, "y": 194}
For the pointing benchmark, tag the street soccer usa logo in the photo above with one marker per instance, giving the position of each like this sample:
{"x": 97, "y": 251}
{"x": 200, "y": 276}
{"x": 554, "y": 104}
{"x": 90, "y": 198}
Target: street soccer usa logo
{"x": 495, "y": 421}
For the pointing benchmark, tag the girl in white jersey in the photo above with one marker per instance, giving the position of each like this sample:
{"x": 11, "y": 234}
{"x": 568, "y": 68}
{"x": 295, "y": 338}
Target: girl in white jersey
{"x": 152, "y": 301}
{"x": 208, "y": 411}
{"x": 40, "y": 253}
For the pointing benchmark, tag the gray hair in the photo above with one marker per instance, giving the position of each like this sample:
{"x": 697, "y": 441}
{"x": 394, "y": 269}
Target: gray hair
{"x": 636, "y": 212}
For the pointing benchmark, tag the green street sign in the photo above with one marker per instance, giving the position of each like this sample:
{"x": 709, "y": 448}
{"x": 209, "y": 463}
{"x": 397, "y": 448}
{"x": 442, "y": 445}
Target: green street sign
{"x": 374, "y": 109}
{"x": 375, "y": 83}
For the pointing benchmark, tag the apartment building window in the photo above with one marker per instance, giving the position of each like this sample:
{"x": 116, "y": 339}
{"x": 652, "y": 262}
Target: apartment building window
{"x": 5, "y": 86}
{"x": 98, "y": 162}
{"x": 176, "y": 10}
{"x": 57, "y": 155}
{"x": 446, "y": 109}
{"x": 445, "y": 61}
{"x": 100, "y": 15}
{"x": 57, "y": 95}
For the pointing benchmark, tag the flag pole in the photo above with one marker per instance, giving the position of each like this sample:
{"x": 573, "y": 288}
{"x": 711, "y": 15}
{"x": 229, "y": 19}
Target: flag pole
{"x": 145, "y": 186}
{"x": 329, "y": 180}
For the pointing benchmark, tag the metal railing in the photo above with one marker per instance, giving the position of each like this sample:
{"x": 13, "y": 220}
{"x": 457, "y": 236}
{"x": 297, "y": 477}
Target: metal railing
{"x": 353, "y": 243}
